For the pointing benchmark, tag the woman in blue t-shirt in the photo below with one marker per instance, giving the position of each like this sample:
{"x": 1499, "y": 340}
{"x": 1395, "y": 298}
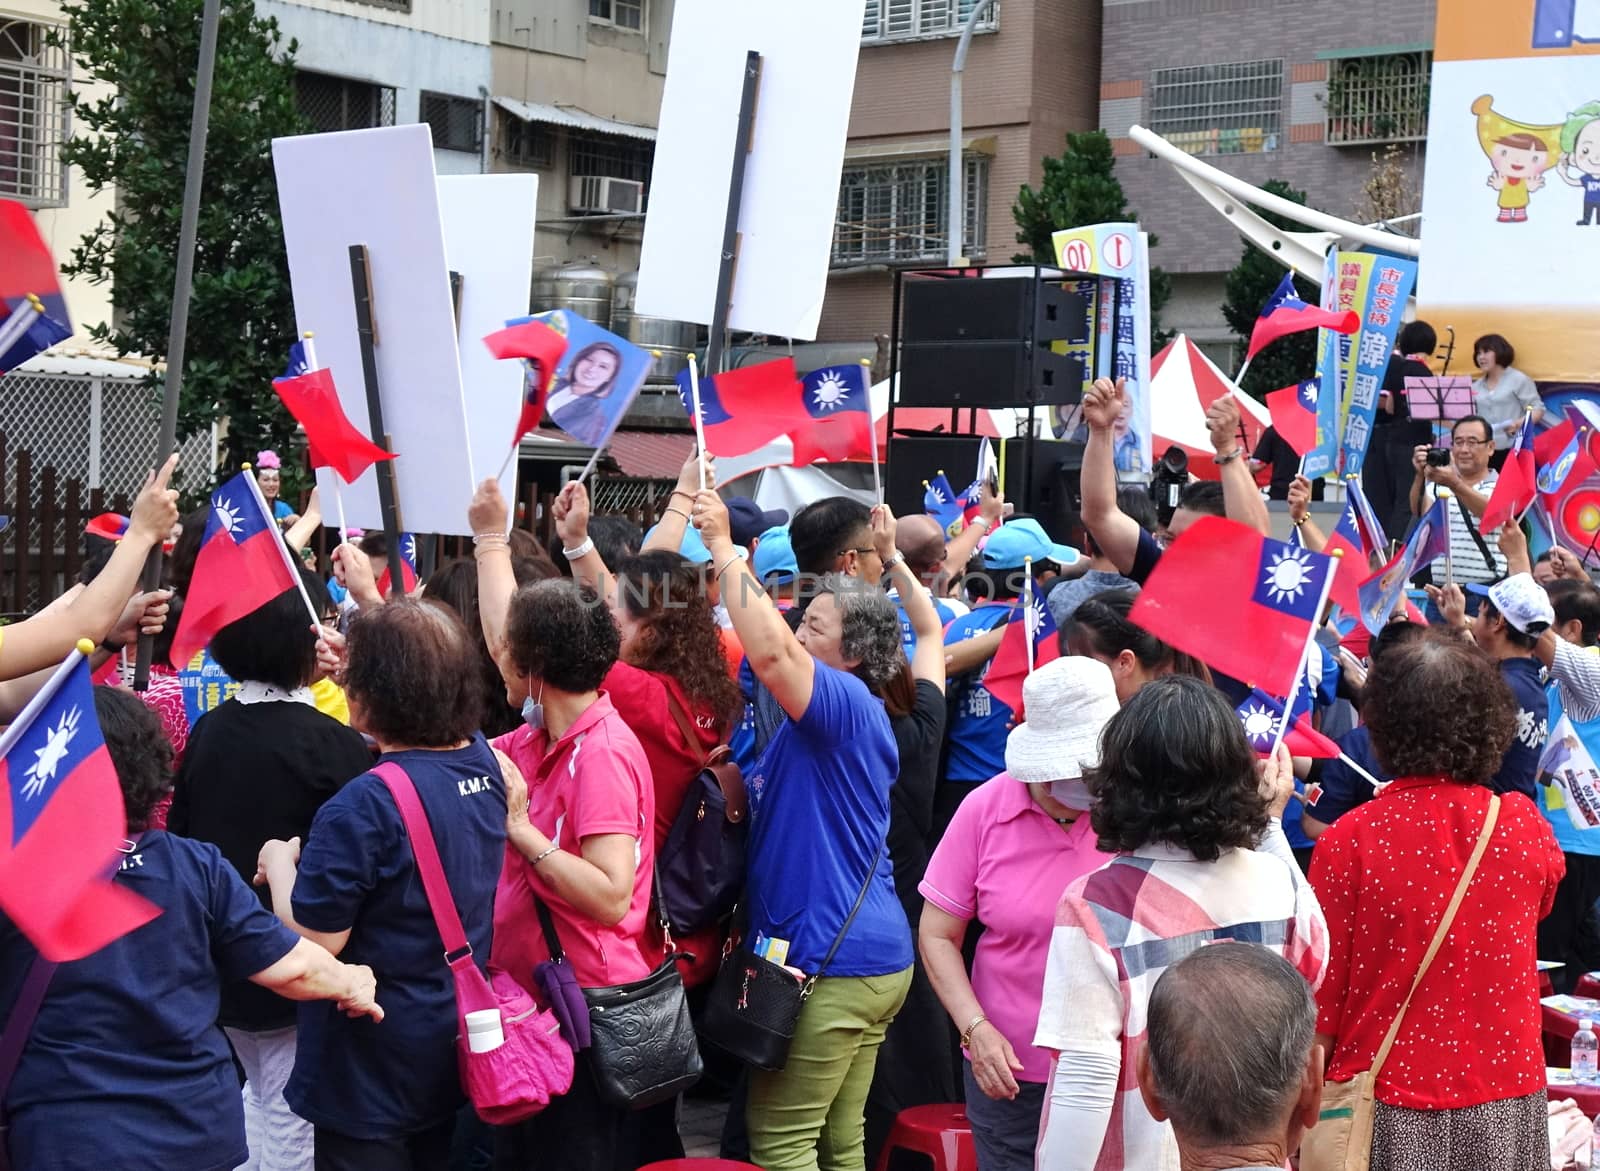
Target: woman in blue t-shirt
{"x": 381, "y": 1097}
{"x": 819, "y": 798}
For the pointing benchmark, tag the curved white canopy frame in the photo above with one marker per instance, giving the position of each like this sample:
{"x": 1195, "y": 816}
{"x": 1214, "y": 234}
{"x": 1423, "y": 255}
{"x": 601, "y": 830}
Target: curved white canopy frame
{"x": 1233, "y": 199}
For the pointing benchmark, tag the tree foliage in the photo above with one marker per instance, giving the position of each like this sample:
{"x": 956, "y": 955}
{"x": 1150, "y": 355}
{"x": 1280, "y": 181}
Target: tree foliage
{"x": 136, "y": 140}
{"x": 1249, "y": 284}
{"x": 1080, "y": 187}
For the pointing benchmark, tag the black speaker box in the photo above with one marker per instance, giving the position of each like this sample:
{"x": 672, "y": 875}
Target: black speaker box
{"x": 986, "y": 342}
{"x": 1042, "y": 475}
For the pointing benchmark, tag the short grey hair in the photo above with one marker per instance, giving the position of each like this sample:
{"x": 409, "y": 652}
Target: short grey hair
{"x": 1230, "y": 1028}
{"x": 870, "y": 627}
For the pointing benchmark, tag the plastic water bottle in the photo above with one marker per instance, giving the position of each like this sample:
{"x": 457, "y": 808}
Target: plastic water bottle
{"x": 1585, "y": 1054}
{"x": 484, "y": 1031}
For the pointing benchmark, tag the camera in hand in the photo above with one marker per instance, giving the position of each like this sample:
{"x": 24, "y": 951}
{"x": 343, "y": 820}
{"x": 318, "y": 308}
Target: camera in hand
{"x": 1167, "y": 480}
{"x": 1438, "y": 457}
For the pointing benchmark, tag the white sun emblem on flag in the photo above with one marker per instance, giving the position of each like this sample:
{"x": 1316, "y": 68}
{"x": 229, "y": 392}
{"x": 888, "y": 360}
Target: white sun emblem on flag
{"x": 830, "y": 392}
{"x": 227, "y": 516}
{"x": 410, "y": 548}
{"x": 1258, "y": 723}
{"x": 1288, "y": 576}
{"x": 1309, "y": 393}
{"x": 47, "y": 759}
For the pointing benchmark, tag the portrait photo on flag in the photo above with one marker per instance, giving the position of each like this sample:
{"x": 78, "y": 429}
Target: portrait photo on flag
{"x": 596, "y": 379}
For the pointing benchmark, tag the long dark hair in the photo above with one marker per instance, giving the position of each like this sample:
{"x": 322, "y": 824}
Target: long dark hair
{"x": 1101, "y": 624}
{"x": 678, "y": 637}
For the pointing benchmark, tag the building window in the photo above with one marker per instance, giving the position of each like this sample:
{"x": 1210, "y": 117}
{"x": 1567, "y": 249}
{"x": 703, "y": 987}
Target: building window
{"x": 527, "y": 144}
{"x": 35, "y": 72}
{"x": 897, "y": 212}
{"x": 614, "y": 158}
{"x": 622, "y": 13}
{"x": 339, "y": 103}
{"x": 1219, "y": 109}
{"x": 391, "y": 5}
{"x": 1379, "y": 99}
{"x": 906, "y": 20}
{"x": 457, "y": 123}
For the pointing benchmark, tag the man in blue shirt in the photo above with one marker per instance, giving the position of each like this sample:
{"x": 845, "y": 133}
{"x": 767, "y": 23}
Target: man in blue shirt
{"x": 1515, "y": 612}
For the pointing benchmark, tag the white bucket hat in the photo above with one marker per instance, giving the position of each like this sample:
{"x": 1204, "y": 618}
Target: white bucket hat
{"x": 1068, "y": 703}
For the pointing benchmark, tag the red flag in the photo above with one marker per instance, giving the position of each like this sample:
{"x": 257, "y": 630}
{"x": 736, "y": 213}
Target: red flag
{"x": 1285, "y": 313}
{"x": 541, "y": 346}
{"x": 1241, "y": 602}
{"x": 1516, "y": 488}
{"x": 745, "y": 408}
{"x": 1294, "y": 415}
{"x": 334, "y": 441}
{"x": 844, "y": 437}
{"x": 242, "y": 564}
{"x": 61, "y": 824}
{"x": 408, "y": 568}
{"x": 1004, "y": 677}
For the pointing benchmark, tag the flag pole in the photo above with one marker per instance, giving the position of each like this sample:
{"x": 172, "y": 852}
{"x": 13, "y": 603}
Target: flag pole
{"x": 1363, "y": 773}
{"x": 506, "y": 463}
{"x": 21, "y": 320}
{"x": 699, "y": 420}
{"x": 1305, "y": 652}
{"x": 1027, "y": 608}
{"x": 1239, "y": 377}
{"x": 43, "y": 696}
{"x": 308, "y": 346}
{"x": 281, "y": 546}
{"x": 1449, "y": 558}
{"x": 872, "y": 431}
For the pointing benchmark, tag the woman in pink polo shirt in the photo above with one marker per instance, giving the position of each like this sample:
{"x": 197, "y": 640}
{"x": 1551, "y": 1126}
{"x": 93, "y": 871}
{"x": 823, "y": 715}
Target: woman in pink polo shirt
{"x": 1013, "y": 847}
{"x": 580, "y": 832}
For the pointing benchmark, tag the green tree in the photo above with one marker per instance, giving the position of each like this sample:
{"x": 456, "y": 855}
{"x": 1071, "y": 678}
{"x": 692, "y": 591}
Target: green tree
{"x": 1249, "y": 284}
{"x": 241, "y": 318}
{"x": 1080, "y": 187}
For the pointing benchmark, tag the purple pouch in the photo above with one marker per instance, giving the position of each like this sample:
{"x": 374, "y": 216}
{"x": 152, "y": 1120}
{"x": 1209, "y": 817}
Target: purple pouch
{"x": 559, "y": 987}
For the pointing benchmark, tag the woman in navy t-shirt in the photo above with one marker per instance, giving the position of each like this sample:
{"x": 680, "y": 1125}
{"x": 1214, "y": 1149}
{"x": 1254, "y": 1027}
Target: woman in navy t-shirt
{"x": 819, "y": 798}
{"x": 125, "y": 1063}
{"x": 388, "y": 1096}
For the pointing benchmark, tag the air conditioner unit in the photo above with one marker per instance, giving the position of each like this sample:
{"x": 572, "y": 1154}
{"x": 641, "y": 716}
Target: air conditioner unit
{"x": 603, "y": 194}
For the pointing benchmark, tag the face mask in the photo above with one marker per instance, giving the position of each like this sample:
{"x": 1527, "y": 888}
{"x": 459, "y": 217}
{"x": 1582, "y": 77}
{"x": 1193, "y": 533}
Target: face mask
{"x": 533, "y": 711}
{"x": 1074, "y": 794}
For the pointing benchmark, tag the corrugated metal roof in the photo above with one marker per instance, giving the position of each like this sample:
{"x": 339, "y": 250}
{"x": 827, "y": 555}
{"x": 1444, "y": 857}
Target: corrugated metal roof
{"x": 573, "y": 117}
{"x": 83, "y": 366}
{"x": 654, "y": 455}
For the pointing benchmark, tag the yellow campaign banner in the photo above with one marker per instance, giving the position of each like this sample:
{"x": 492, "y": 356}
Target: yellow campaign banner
{"x": 1511, "y": 196}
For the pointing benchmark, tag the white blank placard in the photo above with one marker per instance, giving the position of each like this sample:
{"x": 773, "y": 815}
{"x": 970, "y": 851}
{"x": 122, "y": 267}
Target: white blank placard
{"x": 791, "y": 184}
{"x": 377, "y": 187}
{"x": 488, "y": 239}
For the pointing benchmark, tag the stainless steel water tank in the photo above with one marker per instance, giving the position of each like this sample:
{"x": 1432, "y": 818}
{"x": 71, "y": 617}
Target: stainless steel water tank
{"x": 581, "y": 286}
{"x": 674, "y": 339}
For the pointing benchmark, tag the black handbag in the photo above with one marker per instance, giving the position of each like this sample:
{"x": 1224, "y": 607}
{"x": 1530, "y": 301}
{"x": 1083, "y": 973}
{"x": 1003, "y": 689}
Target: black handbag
{"x": 642, "y": 1046}
{"x": 755, "y": 1004}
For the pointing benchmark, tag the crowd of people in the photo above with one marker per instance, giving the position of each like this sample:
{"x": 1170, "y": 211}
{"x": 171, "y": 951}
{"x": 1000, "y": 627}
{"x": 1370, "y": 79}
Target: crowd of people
{"x": 1007, "y": 908}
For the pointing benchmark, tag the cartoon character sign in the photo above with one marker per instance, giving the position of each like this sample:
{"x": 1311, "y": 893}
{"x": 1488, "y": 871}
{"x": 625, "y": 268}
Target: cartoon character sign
{"x": 1519, "y": 154}
{"x": 1579, "y": 164}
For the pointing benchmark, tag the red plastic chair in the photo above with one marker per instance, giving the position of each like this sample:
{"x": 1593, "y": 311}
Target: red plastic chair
{"x": 700, "y": 1165}
{"x": 940, "y": 1132}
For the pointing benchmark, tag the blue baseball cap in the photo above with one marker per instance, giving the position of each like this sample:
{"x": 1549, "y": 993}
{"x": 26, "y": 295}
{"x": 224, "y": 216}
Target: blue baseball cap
{"x": 1017, "y": 540}
{"x": 774, "y": 557}
{"x": 691, "y": 548}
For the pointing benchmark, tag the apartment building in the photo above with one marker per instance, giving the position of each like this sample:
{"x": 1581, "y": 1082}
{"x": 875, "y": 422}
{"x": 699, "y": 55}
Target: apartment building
{"x": 1031, "y": 76}
{"x": 365, "y": 63}
{"x": 1263, "y": 89}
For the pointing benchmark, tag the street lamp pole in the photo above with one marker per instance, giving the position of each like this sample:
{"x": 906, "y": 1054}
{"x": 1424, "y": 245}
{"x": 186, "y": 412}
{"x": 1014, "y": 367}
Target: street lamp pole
{"x": 957, "y": 192}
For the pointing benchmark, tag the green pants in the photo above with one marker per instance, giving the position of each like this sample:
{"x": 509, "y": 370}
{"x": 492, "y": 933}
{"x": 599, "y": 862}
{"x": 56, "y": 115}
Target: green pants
{"x": 809, "y": 1117}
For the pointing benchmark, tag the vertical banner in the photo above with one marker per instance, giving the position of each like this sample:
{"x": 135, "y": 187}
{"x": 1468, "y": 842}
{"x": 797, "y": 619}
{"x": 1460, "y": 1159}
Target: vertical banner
{"x": 1511, "y": 193}
{"x": 1386, "y": 283}
{"x": 1120, "y": 251}
{"x": 1322, "y": 459}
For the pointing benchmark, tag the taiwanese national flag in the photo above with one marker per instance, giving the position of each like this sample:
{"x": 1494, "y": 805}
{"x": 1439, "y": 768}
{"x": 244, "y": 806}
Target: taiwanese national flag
{"x": 1285, "y": 313}
{"x": 748, "y": 407}
{"x": 541, "y": 346}
{"x": 1516, "y": 488}
{"x": 939, "y": 501}
{"x": 408, "y": 567}
{"x": 837, "y": 399}
{"x": 1009, "y": 667}
{"x": 334, "y": 442}
{"x": 242, "y": 565}
{"x": 1381, "y": 592}
{"x": 1373, "y": 538}
{"x": 1260, "y": 714}
{"x": 1294, "y": 415}
{"x": 1243, "y": 603}
{"x": 62, "y": 824}
{"x": 33, "y": 313}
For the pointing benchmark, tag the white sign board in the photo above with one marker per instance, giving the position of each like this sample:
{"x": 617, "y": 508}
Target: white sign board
{"x": 791, "y": 183}
{"x": 377, "y": 187}
{"x": 488, "y": 239}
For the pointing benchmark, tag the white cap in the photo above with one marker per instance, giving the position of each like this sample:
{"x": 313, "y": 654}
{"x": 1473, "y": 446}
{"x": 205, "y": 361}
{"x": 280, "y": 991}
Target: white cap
{"x": 1585, "y": 1025}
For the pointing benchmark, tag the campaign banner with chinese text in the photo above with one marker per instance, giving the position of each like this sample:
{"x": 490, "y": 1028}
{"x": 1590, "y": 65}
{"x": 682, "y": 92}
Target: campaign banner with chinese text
{"x": 1382, "y": 289}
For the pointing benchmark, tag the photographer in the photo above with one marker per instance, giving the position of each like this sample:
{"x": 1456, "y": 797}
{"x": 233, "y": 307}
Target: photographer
{"x": 1464, "y": 472}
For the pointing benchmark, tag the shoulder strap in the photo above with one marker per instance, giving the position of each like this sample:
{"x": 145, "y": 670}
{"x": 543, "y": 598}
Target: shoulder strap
{"x": 861, "y": 897}
{"x": 1477, "y": 538}
{"x": 547, "y": 924}
{"x": 1487, "y": 832}
{"x": 440, "y": 901}
{"x": 19, "y": 1025}
{"x": 691, "y": 737}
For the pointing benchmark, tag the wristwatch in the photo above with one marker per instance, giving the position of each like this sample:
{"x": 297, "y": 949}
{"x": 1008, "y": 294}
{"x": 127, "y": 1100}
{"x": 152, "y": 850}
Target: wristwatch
{"x": 1221, "y": 460}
